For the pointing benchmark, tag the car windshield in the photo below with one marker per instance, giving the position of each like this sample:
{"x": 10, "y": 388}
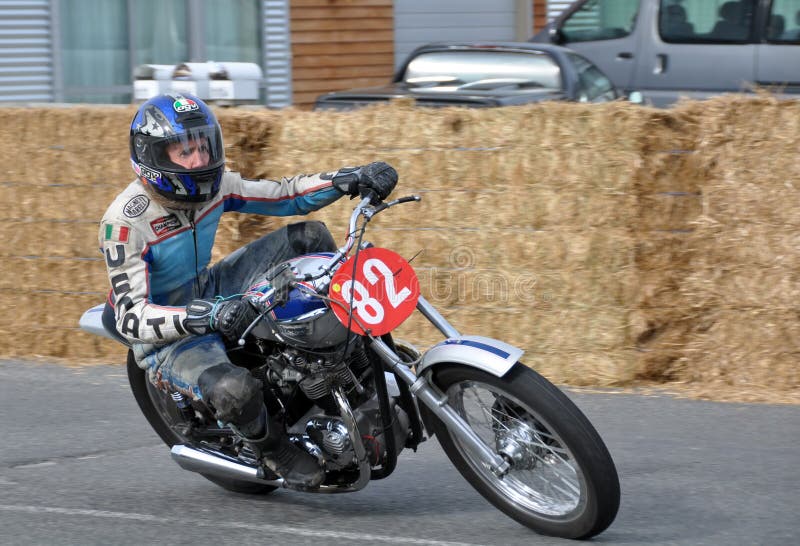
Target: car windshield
{"x": 482, "y": 70}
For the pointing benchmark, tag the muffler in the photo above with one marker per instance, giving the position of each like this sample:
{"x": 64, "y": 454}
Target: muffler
{"x": 218, "y": 465}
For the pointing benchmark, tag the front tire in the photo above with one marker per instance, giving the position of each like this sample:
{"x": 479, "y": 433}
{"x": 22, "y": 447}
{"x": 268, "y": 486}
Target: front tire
{"x": 562, "y": 480}
{"x": 162, "y": 415}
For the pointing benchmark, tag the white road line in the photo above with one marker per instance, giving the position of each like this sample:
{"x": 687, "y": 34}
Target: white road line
{"x": 34, "y": 465}
{"x": 284, "y": 529}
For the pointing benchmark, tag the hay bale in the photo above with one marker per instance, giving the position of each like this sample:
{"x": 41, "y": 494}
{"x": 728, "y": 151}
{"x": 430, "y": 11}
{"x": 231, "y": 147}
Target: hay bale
{"x": 540, "y": 330}
{"x": 67, "y": 239}
{"x": 513, "y": 250}
{"x": 55, "y": 274}
{"x": 755, "y": 347}
{"x": 497, "y": 288}
{"x": 731, "y": 320}
{"x": 613, "y": 243}
{"x": 593, "y": 368}
{"x": 668, "y": 211}
{"x": 61, "y": 202}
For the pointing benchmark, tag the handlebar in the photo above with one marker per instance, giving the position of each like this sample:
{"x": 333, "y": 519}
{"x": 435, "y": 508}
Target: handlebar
{"x": 281, "y": 283}
{"x": 351, "y": 234}
{"x": 362, "y": 209}
{"x": 406, "y": 199}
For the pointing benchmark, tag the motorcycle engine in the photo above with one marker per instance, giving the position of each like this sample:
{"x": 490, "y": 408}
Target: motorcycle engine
{"x": 315, "y": 374}
{"x": 330, "y": 434}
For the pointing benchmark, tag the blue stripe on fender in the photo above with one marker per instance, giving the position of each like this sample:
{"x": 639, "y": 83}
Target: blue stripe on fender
{"x": 477, "y": 345}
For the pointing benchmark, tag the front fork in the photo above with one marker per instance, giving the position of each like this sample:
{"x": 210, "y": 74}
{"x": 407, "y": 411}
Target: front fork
{"x": 436, "y": 400}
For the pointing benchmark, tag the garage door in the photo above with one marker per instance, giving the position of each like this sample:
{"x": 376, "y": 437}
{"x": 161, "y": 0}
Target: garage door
{"x": 555, "y": 7}
{"x": 418, "y": 22}
{"x": 26, "y": 53}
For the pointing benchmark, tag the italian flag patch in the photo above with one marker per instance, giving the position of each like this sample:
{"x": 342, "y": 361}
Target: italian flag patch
{"x": 117, "y": 233}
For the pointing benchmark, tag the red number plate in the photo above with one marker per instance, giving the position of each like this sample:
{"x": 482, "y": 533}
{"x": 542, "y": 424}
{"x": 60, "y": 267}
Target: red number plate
{"x": 381, "y": 288}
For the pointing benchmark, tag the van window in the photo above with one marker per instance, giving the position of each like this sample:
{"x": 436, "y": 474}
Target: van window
{"x": 600, "y": 20}
{"x": 593, "y": 85}
{"x": 783, "y": 25}
{"x": 707, "y": 21}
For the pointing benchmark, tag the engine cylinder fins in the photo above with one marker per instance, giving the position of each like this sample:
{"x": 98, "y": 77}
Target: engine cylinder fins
{"x": 316, "y": 387}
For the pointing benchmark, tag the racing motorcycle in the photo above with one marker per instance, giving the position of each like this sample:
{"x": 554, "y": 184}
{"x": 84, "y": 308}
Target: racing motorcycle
{"x": 354, "y": 397}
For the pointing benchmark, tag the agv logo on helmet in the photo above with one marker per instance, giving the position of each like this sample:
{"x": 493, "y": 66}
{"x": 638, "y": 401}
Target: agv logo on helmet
{"x": 182, "y": 104}
{"x": 149, "y": 174}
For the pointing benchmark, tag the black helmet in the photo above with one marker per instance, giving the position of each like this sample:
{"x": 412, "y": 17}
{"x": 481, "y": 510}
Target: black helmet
{"x": 171, "y": 121}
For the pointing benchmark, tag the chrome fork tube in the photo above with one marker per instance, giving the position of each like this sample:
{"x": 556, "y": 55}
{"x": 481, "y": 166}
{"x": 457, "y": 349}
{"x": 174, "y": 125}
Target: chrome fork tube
{"x": 430, "y": 313}
{"x": 437, "y": 402}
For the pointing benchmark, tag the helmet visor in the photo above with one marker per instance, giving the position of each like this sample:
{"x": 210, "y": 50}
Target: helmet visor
{"x": 197, "y": 149}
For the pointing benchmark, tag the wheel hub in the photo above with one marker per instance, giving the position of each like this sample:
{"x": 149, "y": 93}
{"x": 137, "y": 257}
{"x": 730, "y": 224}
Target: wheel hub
{"x": 514, "y": 444}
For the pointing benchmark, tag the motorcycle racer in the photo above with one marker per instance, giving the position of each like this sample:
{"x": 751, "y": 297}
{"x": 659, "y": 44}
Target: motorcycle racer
{"x": 174, "y": 310}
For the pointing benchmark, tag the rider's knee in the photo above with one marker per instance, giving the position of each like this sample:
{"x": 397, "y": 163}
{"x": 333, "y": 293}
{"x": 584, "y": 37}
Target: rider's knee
{"x": 234, "y": 395}
{"x": 310, "y": 236}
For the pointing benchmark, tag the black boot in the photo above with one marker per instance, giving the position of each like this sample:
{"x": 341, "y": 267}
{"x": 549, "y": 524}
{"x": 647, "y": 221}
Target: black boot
{"x": 298, "y": 468}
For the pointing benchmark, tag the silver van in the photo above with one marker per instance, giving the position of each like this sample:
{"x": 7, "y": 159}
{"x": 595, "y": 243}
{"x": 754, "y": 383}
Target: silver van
{"x": 665, "y": 49}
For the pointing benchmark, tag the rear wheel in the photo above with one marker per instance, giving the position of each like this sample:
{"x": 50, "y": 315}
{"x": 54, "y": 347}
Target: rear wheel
{"x": 165, "y": 418}
{"x": 562, "y": 481}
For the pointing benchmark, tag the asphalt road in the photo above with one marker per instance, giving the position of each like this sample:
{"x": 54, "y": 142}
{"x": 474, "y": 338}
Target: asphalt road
{"x": 79, "y": 465}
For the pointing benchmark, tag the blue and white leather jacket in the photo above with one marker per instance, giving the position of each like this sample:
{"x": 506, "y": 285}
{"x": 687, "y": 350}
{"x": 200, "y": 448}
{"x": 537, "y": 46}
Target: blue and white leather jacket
{"x": 154, "y": 254}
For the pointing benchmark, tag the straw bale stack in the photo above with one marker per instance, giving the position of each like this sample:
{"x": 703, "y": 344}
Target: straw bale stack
{"x": 60, "y": 168}
{"x": 724, "y": 315}
{"x": 473, "y": 169}
{"x": 612, "y": 243}
{"x": 743, "y": 285}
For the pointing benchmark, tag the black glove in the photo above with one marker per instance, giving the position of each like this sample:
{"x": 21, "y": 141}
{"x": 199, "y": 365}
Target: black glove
{"x": 379, "y": 177}
{"x": 231, "y": 318}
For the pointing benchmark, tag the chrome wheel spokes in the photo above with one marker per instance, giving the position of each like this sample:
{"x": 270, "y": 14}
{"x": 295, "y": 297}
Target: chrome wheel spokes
{"x": 543, "y": 477}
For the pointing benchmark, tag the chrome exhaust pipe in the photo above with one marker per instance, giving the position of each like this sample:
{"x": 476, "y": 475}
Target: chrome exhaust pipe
{"x": 219, "y": 465}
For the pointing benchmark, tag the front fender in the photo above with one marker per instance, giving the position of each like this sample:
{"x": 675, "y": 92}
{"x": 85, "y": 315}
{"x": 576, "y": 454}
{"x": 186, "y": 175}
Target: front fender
{"x": 483, "y": 353}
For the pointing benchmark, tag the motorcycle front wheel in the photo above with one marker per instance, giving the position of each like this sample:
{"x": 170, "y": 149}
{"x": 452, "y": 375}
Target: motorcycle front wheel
{"x": 164, "y": 417}
{"x": 562, "y": 481}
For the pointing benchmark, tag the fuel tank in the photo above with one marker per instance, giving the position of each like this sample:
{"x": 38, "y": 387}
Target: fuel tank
{"x": 305, "y": 320}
